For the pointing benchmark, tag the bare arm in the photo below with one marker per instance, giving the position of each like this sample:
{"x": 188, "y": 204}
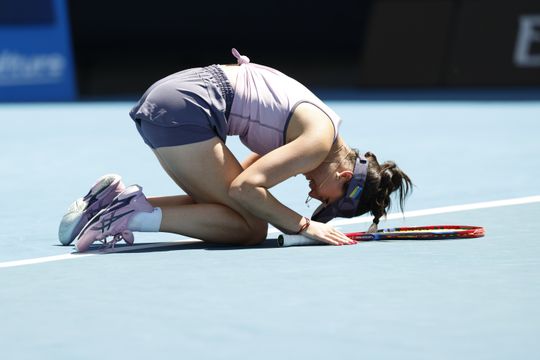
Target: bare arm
{"x": 303, "y": 154}
{"x": 248, "y": 161}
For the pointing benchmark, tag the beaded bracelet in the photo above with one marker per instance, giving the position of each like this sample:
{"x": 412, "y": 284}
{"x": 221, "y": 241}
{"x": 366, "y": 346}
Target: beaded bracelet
{"x": 305, "y": 226}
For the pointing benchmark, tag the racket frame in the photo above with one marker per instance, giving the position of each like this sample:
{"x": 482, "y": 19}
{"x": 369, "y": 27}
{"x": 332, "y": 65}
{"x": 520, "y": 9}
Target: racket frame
{"x": 431, "y": 232}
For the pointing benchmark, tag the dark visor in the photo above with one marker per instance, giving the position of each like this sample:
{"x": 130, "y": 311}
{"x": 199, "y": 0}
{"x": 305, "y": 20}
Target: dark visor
{"x": 345, "y": 206}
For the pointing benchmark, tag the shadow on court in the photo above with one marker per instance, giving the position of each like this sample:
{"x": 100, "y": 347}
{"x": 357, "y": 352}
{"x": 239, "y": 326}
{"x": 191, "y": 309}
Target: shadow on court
{"x": 156, "y": 247}
{"x": 271, "y": 243}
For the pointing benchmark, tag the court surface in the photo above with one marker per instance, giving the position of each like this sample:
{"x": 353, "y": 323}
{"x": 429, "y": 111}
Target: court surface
{"x": 473, "y": 163}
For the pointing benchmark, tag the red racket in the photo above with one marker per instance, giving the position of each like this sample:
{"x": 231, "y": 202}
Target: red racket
{"x": 433, "y": 232}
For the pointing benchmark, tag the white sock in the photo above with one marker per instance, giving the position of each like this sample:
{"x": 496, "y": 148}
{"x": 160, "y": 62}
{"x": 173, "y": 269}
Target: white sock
{"x": 146, "y": 221}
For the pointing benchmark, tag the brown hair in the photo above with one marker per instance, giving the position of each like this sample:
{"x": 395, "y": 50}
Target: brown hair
{"x": 381, "y": 182}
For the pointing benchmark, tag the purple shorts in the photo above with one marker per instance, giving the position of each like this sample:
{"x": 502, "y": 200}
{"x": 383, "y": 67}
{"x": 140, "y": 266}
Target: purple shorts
{"x": 184, "y": 108}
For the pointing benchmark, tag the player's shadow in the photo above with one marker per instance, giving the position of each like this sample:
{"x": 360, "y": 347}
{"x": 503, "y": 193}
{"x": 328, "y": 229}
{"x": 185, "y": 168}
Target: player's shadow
{"x": 169, "y": 246}
{"x": 267, "y": 244}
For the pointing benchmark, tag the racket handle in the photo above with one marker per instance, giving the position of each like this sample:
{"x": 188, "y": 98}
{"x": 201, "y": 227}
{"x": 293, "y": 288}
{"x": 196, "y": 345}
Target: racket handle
{"x": 296, "y": 240}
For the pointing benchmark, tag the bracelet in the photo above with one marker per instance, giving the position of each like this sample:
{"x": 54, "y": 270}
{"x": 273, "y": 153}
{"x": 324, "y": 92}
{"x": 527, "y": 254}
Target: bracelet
{"x": 305, "y": 226}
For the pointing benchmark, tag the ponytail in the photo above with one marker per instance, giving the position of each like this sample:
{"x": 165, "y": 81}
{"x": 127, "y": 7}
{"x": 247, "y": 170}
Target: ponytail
{"x": 381, "y": 182}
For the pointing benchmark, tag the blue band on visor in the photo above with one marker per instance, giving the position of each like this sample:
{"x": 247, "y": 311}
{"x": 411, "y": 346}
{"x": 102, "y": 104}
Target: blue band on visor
{"x": 345, "y": 206}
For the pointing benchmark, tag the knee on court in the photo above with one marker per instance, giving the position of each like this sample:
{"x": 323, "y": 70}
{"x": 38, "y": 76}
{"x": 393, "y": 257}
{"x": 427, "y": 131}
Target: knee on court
{"x": 256, "y": 236}
{"x": 252, "y": 232}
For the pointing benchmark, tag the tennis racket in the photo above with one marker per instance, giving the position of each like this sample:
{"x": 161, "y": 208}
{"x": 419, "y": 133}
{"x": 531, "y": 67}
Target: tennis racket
{"x": 434, "y": 232}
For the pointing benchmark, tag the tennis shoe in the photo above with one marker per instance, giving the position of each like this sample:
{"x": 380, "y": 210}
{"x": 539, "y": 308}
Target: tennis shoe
{"x": 113, "y": 221}
{"x": 83, "y": 209}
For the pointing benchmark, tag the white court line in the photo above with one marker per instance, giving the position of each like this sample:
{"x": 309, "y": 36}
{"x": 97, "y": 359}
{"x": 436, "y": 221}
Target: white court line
{"x": 445, "y": 210}
{"x": 408, "y": 214}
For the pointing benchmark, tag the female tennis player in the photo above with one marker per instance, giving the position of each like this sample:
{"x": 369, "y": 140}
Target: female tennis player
{"x": 185, "y": 119}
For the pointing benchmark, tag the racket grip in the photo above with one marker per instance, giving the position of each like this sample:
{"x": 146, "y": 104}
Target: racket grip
{"x": 296, "y": 240}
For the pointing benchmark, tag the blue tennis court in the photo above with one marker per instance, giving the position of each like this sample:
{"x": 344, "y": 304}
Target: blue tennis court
{"x": 472, "y": 162}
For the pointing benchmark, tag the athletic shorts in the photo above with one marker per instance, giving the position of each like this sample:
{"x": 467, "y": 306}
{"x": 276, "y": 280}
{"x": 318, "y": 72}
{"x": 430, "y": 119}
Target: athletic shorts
{"x": 184, "y": 108}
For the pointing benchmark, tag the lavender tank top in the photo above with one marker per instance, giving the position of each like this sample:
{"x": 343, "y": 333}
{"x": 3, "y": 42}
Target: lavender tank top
{"x": 264, "y": 101}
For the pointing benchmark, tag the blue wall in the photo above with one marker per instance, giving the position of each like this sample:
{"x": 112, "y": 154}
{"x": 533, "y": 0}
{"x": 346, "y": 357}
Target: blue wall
{"x": 36, "y": 62}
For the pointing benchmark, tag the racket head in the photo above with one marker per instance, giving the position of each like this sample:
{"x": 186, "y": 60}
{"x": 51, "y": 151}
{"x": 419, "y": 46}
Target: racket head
{"x": 432, "y": 232}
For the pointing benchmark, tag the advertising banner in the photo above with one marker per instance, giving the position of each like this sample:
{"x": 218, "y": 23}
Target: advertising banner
{"x": 36, "y": 62}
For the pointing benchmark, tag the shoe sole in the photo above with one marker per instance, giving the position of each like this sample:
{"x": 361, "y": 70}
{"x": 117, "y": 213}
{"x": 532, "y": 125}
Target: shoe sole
{"x": 73, "y": 222}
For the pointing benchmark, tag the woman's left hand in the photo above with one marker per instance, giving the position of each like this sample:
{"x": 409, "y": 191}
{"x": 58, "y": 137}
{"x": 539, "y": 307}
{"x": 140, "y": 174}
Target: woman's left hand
{"x": 327, "y": 234}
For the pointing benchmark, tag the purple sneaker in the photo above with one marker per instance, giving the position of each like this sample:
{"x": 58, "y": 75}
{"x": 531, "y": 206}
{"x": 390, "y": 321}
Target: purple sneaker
{"x": 113, "y": 220}
{"x": 82, "y": 210}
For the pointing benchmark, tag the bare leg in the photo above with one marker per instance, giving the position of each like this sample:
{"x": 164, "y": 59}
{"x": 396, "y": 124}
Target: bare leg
{"x": 162, "y": 201}
{"x": 205, "y": 171}
{"x": 170, "y": 201}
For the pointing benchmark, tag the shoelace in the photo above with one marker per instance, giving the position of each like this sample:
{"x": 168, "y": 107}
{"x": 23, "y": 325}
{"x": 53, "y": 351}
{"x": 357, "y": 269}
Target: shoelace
{"x": 242, "y": 59}
{"x": 112, "y": 243}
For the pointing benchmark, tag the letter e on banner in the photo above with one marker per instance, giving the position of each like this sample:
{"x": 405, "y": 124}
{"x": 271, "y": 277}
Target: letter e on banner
{"x": 528, "y": 35}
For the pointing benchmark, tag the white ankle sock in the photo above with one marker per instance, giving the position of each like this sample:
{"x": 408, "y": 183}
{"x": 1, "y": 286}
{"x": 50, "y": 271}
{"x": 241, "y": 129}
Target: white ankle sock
{"x": 146, "y": 221}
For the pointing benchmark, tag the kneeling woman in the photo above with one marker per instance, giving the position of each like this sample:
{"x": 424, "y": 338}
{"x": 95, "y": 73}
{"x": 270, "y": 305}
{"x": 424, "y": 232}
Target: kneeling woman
{"x": 185, "y": 119}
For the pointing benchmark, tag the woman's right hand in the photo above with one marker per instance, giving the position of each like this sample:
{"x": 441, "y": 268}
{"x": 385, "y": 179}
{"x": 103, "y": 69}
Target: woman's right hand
{"x": 327, "y": 234}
